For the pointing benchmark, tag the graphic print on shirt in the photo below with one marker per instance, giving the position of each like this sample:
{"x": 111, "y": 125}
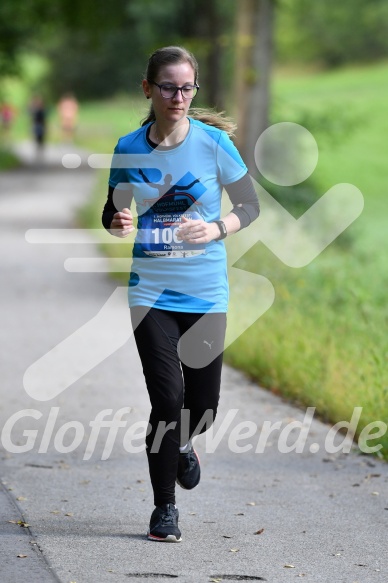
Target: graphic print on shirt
{"x": 157, "y": 235}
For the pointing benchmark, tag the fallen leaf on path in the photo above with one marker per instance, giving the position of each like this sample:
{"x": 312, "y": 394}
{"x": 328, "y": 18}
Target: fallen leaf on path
{"x": 22, "y": 523}
{"x": 21, "y": 556}
{"x": 289, "y": 566}
{"x": 260, "y": 531}
{"x": 251, "y": 503}
{"x": 234, "y": 550}
{"x": 227, "y": 536}
{"x": 21, "y": 498}
{"x": 69, "y": 514}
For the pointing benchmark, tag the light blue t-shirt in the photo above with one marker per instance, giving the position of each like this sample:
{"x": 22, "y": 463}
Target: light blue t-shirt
{"x": 167, "y": 183}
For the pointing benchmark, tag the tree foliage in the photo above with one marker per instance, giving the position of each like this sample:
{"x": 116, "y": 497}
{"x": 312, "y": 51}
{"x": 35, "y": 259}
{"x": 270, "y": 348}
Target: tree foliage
{"x": 98, "y": 48}
{"x": 332, "y": 32}
{"x": 19, "y": 23}
{"x": 93, "y": 45}
{"x": 101, "y": 48}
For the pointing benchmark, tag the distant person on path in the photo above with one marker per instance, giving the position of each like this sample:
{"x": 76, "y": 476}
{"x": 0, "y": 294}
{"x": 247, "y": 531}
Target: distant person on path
{"x": 38, "y": 113}
{"x": 7, "y": 113}
{"x": 68, "y": 116}
{"x": 178, "y": 281}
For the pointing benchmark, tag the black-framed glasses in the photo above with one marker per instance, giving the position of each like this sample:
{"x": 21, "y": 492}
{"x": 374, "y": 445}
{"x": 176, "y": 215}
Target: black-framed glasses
{"x": 168, "y": 91}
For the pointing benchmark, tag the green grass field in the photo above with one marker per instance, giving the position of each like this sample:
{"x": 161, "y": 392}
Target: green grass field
{"x": 323, "y": 343}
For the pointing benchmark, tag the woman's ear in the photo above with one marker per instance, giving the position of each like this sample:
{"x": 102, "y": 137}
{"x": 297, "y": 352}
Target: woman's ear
{"x": 146, "y": 88}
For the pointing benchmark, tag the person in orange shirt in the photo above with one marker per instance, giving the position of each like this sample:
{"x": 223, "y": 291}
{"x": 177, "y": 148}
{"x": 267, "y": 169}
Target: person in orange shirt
{"x": 7, "y": 114}
{"x": 68, "y": 114}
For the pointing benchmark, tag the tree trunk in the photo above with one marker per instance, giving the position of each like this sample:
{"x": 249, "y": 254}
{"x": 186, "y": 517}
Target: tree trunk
{"x": 243, "y": 68}
{"x": 214, "y": 73}
{"x": 253, "y": 67}
{"x": 209, "y": 26}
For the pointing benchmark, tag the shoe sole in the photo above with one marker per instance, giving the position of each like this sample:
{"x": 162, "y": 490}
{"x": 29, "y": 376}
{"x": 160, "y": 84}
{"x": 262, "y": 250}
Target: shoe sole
{"x": 171, "y": 538}
{"x": 199, "y": 479}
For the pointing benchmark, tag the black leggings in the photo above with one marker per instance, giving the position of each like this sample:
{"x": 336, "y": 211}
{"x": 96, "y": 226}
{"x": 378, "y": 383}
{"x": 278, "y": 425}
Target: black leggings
{"x": 183, "y": 380}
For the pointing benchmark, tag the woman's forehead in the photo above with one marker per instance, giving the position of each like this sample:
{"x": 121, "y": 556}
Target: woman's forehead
{"x": 176, "y": 73}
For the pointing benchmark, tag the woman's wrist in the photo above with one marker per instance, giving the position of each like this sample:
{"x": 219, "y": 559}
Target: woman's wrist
{"x": 222, "y": 231}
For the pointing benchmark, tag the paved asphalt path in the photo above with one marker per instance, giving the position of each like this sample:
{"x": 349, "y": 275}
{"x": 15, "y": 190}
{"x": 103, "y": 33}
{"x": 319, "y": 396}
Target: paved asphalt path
{"x": 272, "y": 516}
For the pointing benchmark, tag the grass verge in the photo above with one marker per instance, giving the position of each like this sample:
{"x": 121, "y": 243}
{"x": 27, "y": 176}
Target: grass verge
{"x": 323, "y": 343}
{"x": 8, "y": 161}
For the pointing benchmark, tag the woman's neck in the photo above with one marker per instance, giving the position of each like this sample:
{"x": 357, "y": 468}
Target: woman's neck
{"x": 167, "y": 134}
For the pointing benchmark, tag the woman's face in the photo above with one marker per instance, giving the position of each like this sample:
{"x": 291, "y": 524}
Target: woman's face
{"x": 174, "y": 109}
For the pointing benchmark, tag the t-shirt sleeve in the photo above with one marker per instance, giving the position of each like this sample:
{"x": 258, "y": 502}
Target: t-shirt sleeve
{"x": 231, "y": 166}
{"x": 118, "y": 172}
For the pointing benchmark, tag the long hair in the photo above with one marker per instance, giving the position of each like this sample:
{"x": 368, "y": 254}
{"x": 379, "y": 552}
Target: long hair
{"x": 176, "y": 55}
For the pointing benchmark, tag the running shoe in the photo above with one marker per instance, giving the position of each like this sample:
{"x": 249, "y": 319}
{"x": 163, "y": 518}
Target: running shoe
{"x": 189, "y": 470}
{"x": 164, "y": 524}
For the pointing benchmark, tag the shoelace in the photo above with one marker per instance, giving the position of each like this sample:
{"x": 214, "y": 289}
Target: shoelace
{"x": 190, "y": 460}
{"x": 167, "y": 517}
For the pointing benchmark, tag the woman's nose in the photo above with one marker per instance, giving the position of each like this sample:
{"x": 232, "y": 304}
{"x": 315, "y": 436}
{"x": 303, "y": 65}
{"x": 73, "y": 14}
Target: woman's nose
{"x": 178, "y": 96}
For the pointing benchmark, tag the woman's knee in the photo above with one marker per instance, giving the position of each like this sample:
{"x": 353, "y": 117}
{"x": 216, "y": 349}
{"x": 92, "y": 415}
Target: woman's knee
{"x": 195, "y": 421}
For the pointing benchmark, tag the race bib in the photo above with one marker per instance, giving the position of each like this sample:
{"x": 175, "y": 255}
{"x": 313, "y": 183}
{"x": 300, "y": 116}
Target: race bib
{"x": 157, "y": 235}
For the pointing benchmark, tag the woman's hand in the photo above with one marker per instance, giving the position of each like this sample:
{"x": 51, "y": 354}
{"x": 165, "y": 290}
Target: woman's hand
{"x": 122, "y": 224}
{"x": 197, "y": 231}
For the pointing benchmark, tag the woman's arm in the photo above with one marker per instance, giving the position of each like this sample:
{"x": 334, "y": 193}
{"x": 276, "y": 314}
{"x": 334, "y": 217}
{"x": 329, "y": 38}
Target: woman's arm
{"x": 245, "y": 210}
{"x": 118, "y": 223}
{"x": 244, "y": 198}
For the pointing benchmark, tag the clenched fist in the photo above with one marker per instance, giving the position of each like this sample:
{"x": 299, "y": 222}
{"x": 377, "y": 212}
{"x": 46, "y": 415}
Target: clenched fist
{"x": 122, "y": 223}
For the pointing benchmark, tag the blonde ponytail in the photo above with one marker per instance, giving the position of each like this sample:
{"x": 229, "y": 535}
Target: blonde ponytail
{"x": 207, "y": 116}
{"x": 214, "y": 118}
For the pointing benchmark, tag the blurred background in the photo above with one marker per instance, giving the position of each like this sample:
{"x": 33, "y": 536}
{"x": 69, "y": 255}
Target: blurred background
{"x": 70, "y": 72}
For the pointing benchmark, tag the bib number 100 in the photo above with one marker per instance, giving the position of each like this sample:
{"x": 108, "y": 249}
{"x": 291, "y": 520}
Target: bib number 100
{"x": 166, "y": 236}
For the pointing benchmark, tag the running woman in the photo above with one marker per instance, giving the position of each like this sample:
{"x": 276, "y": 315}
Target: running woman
{"x": 175, "y": 167}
